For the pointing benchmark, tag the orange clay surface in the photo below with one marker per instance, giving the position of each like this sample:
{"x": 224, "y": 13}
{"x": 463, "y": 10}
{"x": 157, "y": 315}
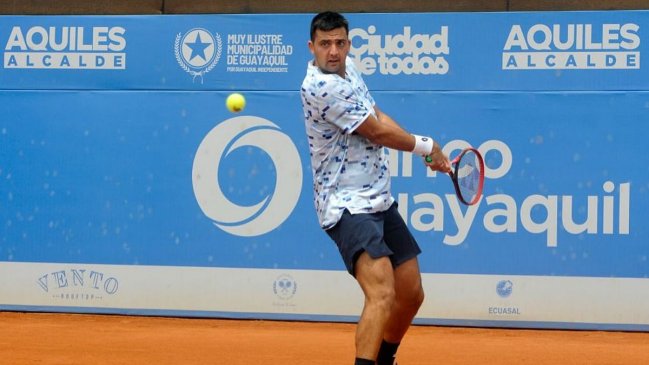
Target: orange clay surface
{"x": 69, "y": 339}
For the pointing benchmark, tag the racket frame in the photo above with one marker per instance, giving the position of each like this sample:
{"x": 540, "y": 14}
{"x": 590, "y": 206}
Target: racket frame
{"x": 453, "y": 175}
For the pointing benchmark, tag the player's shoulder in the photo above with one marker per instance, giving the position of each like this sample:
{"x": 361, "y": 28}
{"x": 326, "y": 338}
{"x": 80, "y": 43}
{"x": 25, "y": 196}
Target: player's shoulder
{"x": 352, "y": 70}
{"x": 350, "y": 65}
{"x": 316, "y": 80}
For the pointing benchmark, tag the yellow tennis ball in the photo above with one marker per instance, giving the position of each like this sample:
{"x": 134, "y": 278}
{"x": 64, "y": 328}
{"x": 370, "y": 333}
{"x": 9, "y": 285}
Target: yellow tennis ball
{"x": 235, "y": 102}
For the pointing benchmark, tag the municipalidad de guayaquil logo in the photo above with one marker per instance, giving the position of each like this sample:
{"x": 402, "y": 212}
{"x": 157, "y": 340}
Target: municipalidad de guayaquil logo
{"x": 198, "y": 51}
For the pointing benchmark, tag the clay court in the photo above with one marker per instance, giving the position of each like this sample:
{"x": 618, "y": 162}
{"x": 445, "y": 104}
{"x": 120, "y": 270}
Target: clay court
{"x": 71, "y": 339}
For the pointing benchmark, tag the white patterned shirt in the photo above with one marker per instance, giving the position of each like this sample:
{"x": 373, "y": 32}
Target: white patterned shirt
{"x": 349, "y": 171}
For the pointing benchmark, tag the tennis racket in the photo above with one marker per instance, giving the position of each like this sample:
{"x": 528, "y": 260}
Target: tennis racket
{"x": 467, "y": 173}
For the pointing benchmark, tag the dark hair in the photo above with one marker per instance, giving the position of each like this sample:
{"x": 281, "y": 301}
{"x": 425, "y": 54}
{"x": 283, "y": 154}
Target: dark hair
{"x": 326, "y": 21}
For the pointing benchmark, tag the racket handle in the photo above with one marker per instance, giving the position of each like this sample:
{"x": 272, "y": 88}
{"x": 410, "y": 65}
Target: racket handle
{"x": 429, "y": 159}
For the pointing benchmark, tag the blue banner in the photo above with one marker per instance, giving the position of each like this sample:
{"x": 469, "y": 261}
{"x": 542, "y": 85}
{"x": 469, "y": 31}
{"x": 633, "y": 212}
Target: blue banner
{"x": 116, "y": 149}
{"x": 107, "y": 177}
{"x": 445, "y": 51}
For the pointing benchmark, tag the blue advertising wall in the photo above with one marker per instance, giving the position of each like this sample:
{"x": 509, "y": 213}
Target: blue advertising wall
{"x": 118, "y": 157}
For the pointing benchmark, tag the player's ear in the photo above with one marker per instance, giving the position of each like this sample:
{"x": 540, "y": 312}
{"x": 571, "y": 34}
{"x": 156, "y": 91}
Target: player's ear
{"x": 311, "y": 47}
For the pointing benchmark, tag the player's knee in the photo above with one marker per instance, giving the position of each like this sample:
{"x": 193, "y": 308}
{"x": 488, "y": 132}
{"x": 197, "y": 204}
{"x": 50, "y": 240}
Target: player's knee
{"x": 419, "y": 298}
{"x": 383, "y": 297}
{"x": 414, "y": 299}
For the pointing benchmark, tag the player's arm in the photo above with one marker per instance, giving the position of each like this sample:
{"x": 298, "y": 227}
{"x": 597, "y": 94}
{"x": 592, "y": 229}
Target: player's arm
{"x": 384, "y": 118}
{"x": 383, "y": 130}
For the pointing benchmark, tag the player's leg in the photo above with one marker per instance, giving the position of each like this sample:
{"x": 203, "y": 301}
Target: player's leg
{"x": 375, "y": 277}
{"x": 359, "y": 238}
{"x": 409, "y": 295}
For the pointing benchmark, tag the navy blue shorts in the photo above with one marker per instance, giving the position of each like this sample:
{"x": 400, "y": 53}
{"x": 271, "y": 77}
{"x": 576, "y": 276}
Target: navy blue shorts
{"x": 380, "y": 234}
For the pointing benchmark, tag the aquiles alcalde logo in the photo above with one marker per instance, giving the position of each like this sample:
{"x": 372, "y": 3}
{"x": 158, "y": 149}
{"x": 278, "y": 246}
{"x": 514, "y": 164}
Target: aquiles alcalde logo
{"x": 66, "y": 47}
{"x": 572, "y": 47}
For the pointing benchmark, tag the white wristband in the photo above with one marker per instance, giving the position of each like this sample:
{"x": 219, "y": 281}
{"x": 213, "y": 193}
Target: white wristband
{"x": 423, "y": 145}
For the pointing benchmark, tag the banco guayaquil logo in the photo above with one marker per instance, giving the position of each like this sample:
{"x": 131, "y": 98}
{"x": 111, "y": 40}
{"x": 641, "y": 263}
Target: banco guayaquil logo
{"x": 285, "y": 287}
{"x": 198, "y": 51}
{"x": 273, "y": 209}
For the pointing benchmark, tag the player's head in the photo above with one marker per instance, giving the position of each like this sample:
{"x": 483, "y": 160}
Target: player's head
{"x": 330, "y": 41}
{"x": 326, "y": 21}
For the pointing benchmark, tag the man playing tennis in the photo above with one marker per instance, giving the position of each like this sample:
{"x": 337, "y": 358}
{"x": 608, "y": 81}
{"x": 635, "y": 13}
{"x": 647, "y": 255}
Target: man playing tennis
{"x": 347, "y": 134}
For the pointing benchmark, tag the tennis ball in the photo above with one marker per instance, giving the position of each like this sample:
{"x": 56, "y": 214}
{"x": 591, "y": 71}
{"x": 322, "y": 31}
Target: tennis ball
{"x": 235, "y": 102}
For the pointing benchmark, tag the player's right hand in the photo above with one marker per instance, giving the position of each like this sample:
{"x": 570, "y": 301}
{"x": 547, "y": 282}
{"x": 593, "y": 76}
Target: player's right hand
{"x": 437, "y": 160}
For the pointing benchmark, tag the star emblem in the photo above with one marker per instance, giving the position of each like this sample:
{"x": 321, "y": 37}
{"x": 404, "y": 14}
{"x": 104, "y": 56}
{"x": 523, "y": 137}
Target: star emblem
{"x": 198, "y": 47}
{"x": 198, "y": 51}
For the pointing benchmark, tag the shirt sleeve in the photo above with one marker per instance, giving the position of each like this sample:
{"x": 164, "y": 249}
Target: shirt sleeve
{"x": 351, "y": 67}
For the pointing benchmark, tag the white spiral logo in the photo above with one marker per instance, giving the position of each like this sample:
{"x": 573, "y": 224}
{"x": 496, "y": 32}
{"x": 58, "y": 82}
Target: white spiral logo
{"x": 266, "y": 215}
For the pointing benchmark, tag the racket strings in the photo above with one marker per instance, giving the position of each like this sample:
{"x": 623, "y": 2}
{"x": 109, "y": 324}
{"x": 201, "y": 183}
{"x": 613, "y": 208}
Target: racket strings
{"x": 468, "y": 176}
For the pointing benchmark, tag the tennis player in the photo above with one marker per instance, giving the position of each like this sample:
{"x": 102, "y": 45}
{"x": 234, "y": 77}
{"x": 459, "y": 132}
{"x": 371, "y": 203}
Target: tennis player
{"x": 347, "y": 134}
